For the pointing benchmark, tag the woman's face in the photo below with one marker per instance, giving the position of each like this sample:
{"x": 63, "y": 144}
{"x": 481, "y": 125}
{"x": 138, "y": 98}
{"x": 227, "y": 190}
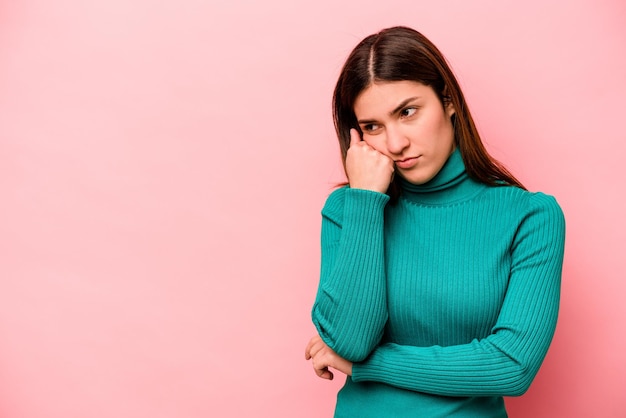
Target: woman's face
{"x": 406, "y": 121}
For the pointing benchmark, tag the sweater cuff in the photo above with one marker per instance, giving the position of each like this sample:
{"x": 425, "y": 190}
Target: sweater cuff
{"x": 364, "y": 204}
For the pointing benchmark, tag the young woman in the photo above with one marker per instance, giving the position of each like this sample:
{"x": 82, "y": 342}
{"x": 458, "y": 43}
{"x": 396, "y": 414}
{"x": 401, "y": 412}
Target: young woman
{"x": 440, "y": 274}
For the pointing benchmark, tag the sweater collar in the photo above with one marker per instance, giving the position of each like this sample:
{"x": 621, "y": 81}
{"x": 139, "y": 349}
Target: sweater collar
{"x": 452, "y": 184}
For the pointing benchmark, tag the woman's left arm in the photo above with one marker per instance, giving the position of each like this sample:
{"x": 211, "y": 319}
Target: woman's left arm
{"x": 505, "y": 362}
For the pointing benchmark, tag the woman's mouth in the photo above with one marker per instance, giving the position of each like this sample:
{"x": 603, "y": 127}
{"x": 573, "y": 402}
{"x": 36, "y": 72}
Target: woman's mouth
{"x": 407, "y": 162}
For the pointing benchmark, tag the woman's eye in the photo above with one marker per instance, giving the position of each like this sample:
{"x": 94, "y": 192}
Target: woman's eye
{"x": 409, "y": 111}
{"x": 370, "y": 127}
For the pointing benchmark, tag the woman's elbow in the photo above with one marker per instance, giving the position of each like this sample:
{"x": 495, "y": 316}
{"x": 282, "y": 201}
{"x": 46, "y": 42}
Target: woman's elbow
{"x": 353, "y": 342}
{"x": 520, "y": 384}
{"x": 354, "y": 353}
{"x": 354, "y": 348}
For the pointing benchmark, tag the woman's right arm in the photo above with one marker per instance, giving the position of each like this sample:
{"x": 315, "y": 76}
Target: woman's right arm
{"x": 350, "y": 309}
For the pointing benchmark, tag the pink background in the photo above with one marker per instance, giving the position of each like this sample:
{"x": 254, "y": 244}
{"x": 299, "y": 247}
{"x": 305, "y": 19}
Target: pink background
{"x": 162, "y": 169}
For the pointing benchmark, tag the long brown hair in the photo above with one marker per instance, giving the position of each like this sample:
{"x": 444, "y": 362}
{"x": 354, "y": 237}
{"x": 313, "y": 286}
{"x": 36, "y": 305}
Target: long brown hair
{"x": 401, "y": 53}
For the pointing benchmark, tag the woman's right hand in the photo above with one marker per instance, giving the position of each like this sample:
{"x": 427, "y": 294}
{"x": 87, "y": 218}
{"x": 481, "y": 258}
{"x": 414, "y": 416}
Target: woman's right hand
{"x": 366, "y": 167}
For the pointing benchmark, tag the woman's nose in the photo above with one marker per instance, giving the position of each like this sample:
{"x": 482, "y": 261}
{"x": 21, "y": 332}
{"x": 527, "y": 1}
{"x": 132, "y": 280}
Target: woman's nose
{"x": 396, "y": 141}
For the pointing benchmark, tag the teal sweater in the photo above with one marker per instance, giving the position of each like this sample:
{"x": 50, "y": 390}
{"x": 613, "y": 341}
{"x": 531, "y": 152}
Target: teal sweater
{"x": 445, "y": 301}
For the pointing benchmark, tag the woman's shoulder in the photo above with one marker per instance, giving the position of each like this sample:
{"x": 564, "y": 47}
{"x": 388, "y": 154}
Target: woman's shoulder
{"x": 517, "y": 194}
{"x": 336, "y": 197}
{"x": 528, "y": 202}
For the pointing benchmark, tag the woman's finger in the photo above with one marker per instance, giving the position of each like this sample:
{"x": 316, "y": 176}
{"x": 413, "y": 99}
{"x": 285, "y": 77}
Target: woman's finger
{"x": 308, "y": 351}
{"x": 355, "y": 138}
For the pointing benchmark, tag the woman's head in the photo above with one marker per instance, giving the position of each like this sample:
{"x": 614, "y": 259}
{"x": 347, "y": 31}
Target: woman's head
{"x": 403, "y": 54}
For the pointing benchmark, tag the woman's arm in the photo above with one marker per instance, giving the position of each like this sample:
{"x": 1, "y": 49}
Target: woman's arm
{"x": 505, "y": 362}
{"x": 350, "y": 309}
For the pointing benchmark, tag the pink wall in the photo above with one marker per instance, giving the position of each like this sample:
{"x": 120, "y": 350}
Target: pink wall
{"x": 162, "y": 168}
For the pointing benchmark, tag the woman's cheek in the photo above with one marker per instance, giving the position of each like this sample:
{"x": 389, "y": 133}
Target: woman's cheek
{"x": 377, "y": 144}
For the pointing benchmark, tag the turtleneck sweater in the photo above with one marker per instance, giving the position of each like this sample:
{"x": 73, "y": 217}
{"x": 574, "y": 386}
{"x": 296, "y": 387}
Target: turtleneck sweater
{"x": 445, "y": 300}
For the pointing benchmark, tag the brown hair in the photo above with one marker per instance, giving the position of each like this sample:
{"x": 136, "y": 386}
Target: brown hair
{"x": 401, "y": 53}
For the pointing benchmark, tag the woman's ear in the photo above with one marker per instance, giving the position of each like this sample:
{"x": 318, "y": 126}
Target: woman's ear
{"x": 447, "y": 103}
{"x": 449, "y": 107}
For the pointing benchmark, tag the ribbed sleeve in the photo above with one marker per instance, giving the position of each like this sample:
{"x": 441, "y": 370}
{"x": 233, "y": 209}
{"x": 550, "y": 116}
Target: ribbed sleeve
{"x": 350, "y": 310}
{"x": 504, "y": 362}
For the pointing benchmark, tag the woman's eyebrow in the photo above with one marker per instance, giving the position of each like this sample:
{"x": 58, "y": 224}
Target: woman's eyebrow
{"x": 401, "y": 105}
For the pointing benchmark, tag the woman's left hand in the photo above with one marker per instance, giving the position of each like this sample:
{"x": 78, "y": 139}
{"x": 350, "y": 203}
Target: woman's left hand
{"x": 323, "y": 357}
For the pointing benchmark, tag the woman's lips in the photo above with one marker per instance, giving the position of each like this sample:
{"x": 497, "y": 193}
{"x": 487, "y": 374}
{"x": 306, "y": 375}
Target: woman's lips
{"x": 407, "y": 163}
